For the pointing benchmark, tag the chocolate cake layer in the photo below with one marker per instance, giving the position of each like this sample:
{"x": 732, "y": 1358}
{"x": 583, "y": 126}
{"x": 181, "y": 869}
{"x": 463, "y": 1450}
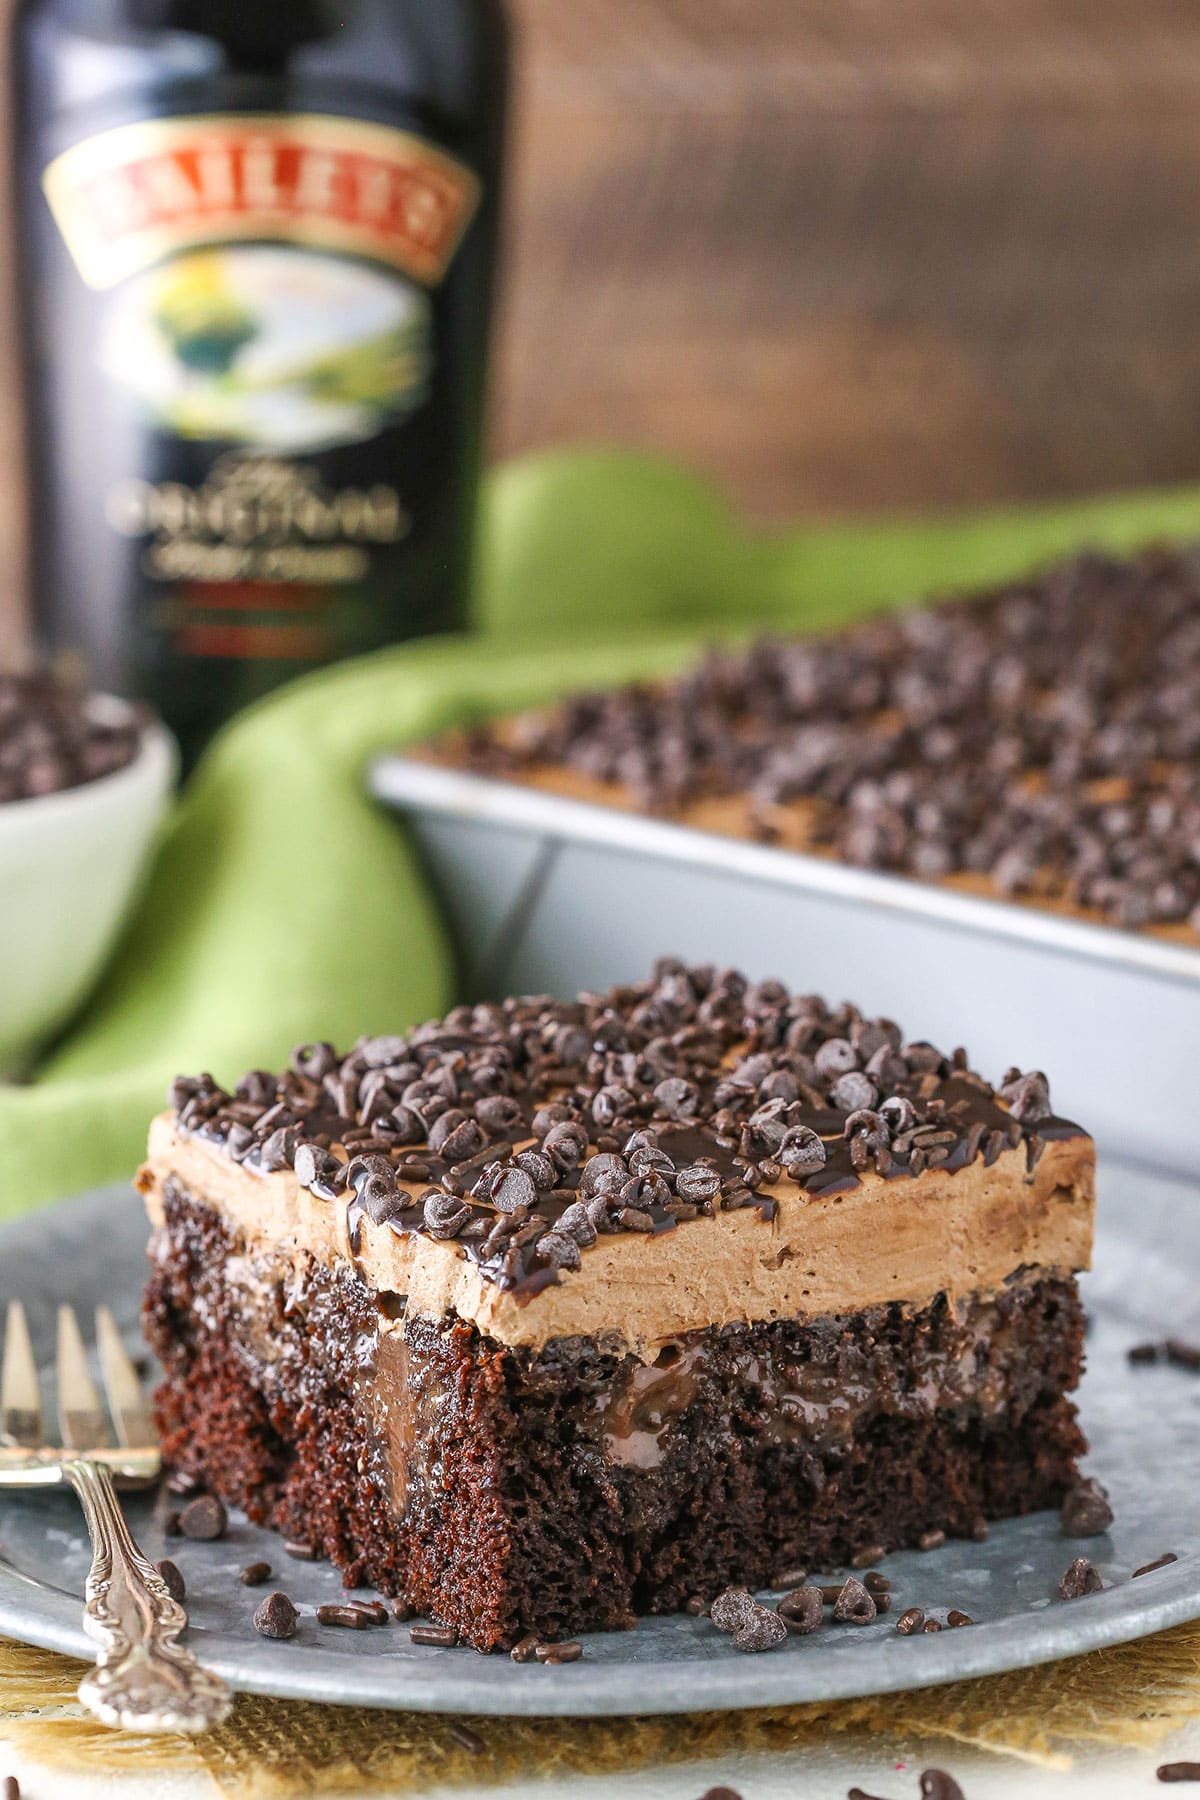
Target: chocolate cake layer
{"x": 549, "y": 1313}
{"x": 508, "y": 1490}
{"x": 1040, "y": 743}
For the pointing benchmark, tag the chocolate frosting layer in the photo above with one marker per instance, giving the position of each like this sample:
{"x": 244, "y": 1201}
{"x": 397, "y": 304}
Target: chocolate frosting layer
{"x": 546, "y": 1145}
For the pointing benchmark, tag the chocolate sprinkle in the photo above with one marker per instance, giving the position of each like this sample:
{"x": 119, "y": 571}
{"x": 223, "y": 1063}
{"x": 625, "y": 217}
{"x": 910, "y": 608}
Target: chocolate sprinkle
{"x": 254, "y": 1574}
{"x": 686, "y": 1096}
{"x": 910, "y": 1621}
{"x": 1178, "y": 1771}
{"x": 937, "y": 1785}
{"x": 1160, "y": 1562}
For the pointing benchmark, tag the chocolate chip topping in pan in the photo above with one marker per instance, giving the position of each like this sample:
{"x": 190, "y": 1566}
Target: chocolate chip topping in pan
{"x": 1042, "y": 739}
{"x": 524, "y": 1131}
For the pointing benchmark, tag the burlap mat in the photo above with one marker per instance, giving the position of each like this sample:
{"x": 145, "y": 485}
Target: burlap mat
{"x": 1132, "y": 1696}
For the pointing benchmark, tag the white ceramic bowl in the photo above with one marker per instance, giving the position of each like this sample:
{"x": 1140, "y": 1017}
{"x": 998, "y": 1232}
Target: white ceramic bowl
{"x": 70, "y": 864}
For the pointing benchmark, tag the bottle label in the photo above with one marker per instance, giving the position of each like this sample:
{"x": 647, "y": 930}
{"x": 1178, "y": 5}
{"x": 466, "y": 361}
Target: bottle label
{"x": 263, "y": 320}
{"x": 127, "y": 198}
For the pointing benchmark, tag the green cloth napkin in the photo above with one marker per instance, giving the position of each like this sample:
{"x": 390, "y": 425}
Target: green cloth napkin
{"x": 284, "y": 906}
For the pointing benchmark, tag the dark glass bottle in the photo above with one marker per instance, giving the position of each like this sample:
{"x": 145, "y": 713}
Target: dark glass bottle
{"x": 256, "y": 249}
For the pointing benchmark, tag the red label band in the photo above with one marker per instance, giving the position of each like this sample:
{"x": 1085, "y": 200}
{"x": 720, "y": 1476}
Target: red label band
{"x": 129, "y": 197}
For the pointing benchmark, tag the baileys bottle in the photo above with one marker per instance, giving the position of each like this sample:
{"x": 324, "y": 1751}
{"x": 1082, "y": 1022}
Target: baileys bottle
{"x": 255, "y": 248}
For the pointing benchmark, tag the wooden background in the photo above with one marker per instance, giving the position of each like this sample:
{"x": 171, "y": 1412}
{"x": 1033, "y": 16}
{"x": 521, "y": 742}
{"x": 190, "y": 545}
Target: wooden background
{"x": 848, "y": 254}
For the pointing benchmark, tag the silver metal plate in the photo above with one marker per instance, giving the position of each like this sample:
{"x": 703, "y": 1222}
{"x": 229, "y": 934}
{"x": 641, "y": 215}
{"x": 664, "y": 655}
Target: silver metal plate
{"x": 548, "y": 895}
{"x": 1145, "y": 1447}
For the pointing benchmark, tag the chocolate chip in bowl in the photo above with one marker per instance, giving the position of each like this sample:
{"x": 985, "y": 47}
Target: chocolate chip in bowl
{"x": 84, "y": 782}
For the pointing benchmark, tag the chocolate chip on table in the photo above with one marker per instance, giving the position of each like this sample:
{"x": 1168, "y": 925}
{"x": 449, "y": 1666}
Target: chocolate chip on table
{"x": 276, "y": 1617}
{"x": 1178, "y": 1771}
{"x": 1144, "y": 1353}
{"x": 931, "y": 1540}
{"x": 204, "y": 1518}
{"x": 910, "y": 1621}
{"x": 1160, "y": 1562}
{"x": 931, "y": 1625}
{"x": 402, "y": 1609}
{"x": 299, "y": 1550}
{"x": 465, "y": 1738}
{"x": 802, "y": 1610}
{"x": 558, "y": 1653}
{"x": 1085, "y": 1511}
{"x": 854, "y": 1605}
{"x": 441, "y": 1637}
{"x": 876, "y": 1582}
{"x": 525, "y": 1648}
{"x": 172, "y": 1579}
{"x": 937, "y": 1785}
{"x": 254, "y": 1574}
{"x": 1080, "y": 1579}
{"x": 955, "y": 1619}
{"x": 764, "y": 1631}
{"x": 732, "y": 1609}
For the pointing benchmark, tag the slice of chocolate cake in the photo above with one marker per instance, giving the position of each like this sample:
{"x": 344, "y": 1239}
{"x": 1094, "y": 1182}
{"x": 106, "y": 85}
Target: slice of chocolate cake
{"x": 550, "y": 1314}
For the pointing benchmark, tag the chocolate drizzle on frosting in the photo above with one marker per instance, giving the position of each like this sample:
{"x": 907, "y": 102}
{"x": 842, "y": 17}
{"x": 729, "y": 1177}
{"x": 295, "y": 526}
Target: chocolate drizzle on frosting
{"x": 523, "y": 1131}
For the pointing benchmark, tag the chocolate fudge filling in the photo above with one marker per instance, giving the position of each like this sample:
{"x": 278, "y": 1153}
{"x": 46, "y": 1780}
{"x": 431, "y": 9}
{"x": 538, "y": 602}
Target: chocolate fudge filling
{"x": 1041, "y": 740}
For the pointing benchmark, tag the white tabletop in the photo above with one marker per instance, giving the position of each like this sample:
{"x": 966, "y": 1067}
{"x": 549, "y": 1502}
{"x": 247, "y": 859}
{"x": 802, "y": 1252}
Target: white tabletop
{"x": 889, "y": 1770}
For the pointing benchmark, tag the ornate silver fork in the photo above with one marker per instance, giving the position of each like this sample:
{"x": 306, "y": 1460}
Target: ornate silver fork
{"x": 144, "y": 1679}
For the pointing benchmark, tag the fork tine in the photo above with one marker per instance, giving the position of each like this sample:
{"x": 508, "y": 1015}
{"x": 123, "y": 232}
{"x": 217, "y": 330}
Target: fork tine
{"x": 20, "y": 1401}
{"x": 80, "y": 1415}
{"x": 121, "y": 1384}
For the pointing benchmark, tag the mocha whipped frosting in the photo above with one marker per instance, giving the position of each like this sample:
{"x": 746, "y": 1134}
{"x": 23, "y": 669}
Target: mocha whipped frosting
{"x": 688, "y": 1150}
{"x": 959, "y": 1233}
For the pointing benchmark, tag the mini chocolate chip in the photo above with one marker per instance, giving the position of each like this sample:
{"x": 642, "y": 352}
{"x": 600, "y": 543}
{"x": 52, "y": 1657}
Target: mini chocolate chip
{"x": 732, "y": 1609}
{"x": 172, "y": 1579}
{"x": 854, "y": 1605}
{"x": 513, "y": 1190}
{"x": 254, "y": 1574}
{"x": 441, "y": 1637}
{"x": 1085, "y": 1511}
{"x": 697, "y": 1183}
{"x": 276, "y": 1617}
{"x": 764, "y": 1630}
{"x": 443, "y": 1216}
{"x": 204, "y": 1518}
{"x": 801, "y": 1610}
{"x": 1081, "y": 1578}
{"x": 910, "y": 1621}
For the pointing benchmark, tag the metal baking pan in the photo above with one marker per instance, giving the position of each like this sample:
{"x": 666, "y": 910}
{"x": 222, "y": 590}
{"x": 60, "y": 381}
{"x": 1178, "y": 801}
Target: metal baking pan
{"x": 552, "y": 895}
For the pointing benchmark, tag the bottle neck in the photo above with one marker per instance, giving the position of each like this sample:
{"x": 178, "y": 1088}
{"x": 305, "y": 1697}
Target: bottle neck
{"x": 252, "y": 33}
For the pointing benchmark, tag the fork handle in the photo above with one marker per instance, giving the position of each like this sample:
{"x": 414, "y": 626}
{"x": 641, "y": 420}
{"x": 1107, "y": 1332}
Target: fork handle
{"x": 144, "y": 1679}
